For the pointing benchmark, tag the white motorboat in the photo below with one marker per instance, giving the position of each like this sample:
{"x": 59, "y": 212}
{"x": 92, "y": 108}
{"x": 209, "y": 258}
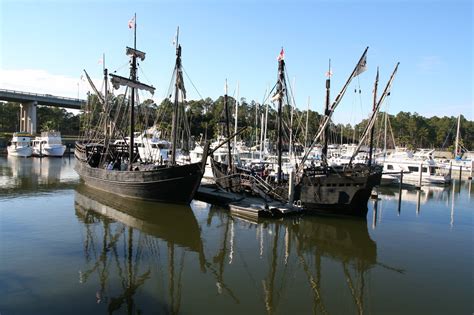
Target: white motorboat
{"x": 221, "y": 155}
{"x": 415, "y": 165}
{"x": 20, "y": 145}
{"x": 152, "y": 147}
{"x": 48, "y": 144}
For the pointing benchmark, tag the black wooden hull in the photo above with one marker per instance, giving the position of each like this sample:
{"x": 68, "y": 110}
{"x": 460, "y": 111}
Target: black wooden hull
{"x": 174, "y": 184}
{"x": 223, "y": 178}
{"x": 338, "y": 193}
{"x": 333, "y": 192}
{"x": 177, "y": 184}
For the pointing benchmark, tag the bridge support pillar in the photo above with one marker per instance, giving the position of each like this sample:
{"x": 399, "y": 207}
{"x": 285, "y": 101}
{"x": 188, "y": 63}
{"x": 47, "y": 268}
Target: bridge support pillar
{"x": 28, "y": 117}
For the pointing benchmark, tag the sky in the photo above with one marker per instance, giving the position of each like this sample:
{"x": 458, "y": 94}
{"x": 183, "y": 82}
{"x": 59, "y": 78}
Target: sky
{"x": 45, "y": 45}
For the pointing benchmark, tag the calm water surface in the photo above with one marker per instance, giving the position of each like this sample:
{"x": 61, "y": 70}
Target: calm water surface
{"x": 66, "y": 249}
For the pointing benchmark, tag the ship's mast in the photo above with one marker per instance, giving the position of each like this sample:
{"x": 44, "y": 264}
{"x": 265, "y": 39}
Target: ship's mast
{"x": 132, "y": 83}
{"x": 227, "y": 129}
{"x": 306, "y": 128}
{"x": 385, "y": 93}
{"x": 280, "y": 87}
{"x": 290, "y": 147}
{"x": 360, "y": 67}
{"x": 373, "y": 109}
{"x": 456, "y": 146}
{"x": 174, "y": 127}
{"x": 326, "y": 113}
{"x": 107, "y": 134}
{"x": 106, "y": 104}
{"x": 133, "y": 77}
{"x": 236, "y": 117}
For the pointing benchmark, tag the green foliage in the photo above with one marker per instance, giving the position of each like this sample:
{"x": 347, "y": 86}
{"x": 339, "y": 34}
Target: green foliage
{"x": 9, "y": 117}
{"x": 206, "y": 118}
{"x": 48, "y": 118}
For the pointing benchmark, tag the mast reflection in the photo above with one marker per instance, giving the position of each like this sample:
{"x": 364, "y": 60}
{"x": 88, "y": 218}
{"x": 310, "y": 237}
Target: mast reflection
{"x": 128, "y": 239}
{"x": 315, "y": 246}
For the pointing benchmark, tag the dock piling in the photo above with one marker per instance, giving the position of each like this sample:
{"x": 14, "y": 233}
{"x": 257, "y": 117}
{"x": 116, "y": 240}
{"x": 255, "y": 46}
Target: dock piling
{"x": 291, "y": 188}
{"x": 400, "y": 193}
{"x": 450, "y": 169}
{"x": 421, "y": 176}
{"x": 374, "y": 217}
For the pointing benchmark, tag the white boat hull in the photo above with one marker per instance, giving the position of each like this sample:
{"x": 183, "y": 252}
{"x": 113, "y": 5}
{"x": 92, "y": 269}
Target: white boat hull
{"x": 51, "y": 150}
{"x": 49, "y": 144}
{"x": 19, "y": 151}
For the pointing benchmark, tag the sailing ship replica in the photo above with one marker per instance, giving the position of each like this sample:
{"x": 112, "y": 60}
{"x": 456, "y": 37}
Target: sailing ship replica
{"x": 317, "y": 188}
{"x": 104, "y": 165}
{"x": 345, "y": 189}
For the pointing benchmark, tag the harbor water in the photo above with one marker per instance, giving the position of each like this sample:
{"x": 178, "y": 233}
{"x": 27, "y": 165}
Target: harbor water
{"x": 68, "y": 249}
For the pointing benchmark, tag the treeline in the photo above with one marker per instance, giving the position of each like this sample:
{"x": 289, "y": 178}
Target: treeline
{"x": 205, "y": 120}
{"x": 48, "y": 118}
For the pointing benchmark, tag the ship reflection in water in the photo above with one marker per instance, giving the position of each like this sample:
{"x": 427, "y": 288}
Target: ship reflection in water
{"x": 135, "y": 247}
{"x": 67, "y": 249}
{"x": 130, "y": 244}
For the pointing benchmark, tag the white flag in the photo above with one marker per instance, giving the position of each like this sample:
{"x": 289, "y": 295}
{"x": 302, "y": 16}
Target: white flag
{"x": 131, "y": 23}
{"x": 362, "y": 66}
{"x": 281, "y": 56}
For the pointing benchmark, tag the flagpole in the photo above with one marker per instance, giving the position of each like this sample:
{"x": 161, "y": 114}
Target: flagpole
{"x": 326, "y": 114}
{"x": 133, "y": 77}
{"x": 135, "y": 31}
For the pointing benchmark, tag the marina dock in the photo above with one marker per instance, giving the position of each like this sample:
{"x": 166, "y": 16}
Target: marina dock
{"x": 243, "y": 205}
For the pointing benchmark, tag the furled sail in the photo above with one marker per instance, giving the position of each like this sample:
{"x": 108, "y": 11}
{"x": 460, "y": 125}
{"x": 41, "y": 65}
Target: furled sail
{"x": 135, "y": 52}
{"x": 118, "y": 81}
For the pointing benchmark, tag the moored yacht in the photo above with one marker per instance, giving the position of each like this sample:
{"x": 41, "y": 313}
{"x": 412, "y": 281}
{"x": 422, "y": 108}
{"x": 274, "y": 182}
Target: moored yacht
{"x": 48, "y": 144}
{"x": 20, "y": 145}
{"x": 415, "y": 165}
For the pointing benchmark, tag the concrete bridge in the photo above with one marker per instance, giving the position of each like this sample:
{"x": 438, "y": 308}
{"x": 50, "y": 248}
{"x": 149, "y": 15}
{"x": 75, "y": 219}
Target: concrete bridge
{"x": 29, "y": 101}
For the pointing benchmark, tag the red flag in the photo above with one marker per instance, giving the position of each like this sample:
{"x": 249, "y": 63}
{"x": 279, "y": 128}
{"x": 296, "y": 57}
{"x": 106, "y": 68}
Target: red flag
{"x": 281, "y": 56}
{"x": 131, "y": 23}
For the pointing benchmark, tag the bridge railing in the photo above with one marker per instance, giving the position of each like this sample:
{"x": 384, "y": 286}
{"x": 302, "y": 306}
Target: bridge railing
{"x": 42, "y": 95}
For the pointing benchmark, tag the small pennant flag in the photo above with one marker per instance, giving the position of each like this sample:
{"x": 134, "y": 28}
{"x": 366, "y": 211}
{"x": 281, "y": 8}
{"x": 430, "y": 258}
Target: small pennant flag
{"x": 131, "y": 23}
{"x": 175, "y": 39}
{"x": 100, "y": 61}
{"x": 281, "y": 56}
{"x": 329, "y": 74}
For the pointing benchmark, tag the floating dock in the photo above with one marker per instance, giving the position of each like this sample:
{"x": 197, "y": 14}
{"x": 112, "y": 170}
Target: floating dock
{"x": 255, "y": 207}
{"x": 215, "y": 195}
{"x": 245, "y": 206}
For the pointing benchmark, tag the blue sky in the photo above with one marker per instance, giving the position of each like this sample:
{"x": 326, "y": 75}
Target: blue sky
{"x": 44, "y": 45}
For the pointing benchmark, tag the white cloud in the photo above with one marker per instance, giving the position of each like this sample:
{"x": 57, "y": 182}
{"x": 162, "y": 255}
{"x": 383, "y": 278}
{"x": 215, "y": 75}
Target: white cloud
{"x": 429, "y": 63}
{"x": 43, "y": 82}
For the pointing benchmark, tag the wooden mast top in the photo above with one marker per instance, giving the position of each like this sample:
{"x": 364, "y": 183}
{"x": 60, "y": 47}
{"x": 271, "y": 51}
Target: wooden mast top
{"x": 178, "y": 84}
{"x": 280, "y": 92}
